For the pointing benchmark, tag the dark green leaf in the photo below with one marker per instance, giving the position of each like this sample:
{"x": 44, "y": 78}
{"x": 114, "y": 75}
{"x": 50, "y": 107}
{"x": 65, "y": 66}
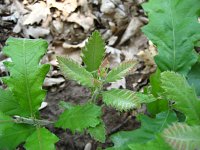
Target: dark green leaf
{"x": 41, "y": 139}
{"x": 14, "y": 135}
{"x": 80, "y": 117}
{"x": 148, "y": 131}
{"x": 98, "y": 132}
{"x": 8, "y": 104}
{"x": 185, "y": 98}
{"x": 194, "y": 77}
{"x": 26, "y": 75}
{"x": 173, "y": 28}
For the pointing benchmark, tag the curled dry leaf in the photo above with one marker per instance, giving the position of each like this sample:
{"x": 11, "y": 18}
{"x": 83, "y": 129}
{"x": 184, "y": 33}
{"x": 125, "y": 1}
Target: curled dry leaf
{"x": 114, "y": 57}
{"x": 39, "y": 12}
{"x": 53, "y": 81}
{"x": 86, "y": 22}
{"x": 131, "y": 30}
{"x": 36, "y": 32}
{"x": 107, "y": 6}
{"x": 65, "y": 7}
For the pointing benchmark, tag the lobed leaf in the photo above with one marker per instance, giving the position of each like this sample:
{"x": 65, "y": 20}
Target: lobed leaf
{"x": 181, "y": 136}
{"x": 124, "y": 99}
{"x": 41, "y": 139}
{"x": 26, "y": 75}
{"x": 14, "y": 135}
{"x": 74, "y": 71}
{"x": 93, "y": 52}
{"x": 8, "y": 104}
{"x": 98, "y": 132}
{"x": 178, "y": 90}
{"x": 80, "y": 117}
{"x": 120, "y": 71}
{"x": 148, "y": 131}
{"x": 174, "y": 29}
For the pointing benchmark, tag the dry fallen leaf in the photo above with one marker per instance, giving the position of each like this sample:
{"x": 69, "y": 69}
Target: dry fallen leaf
{"x": 39, "y": 12}
{"x": 53, "y": 81}
{"x": 131, "y": 30}
{"x": 87, "y": 22}
{"x": 65, "y": 7}
{"x": 36, "y": 32}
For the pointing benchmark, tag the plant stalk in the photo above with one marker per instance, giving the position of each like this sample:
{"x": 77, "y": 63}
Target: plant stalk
{"x": 35, "y": 122}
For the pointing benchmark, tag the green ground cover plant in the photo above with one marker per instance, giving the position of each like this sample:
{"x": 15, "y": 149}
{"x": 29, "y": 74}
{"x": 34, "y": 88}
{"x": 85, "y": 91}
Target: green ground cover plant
{"x": 172, "y": 96}
{"x": 173, "y": 120}
{"x": 20, "y": 121}
{"x": 94, "y": 75}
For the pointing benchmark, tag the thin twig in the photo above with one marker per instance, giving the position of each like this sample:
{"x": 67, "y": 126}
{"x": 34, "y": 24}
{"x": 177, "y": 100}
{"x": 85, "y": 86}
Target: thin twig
{"x": 117, "y": 128}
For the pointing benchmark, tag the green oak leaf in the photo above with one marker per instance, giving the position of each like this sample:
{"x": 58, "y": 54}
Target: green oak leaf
{"x": 12, "y": 136}
{"x": 26, "y": 75}
{"x": 93, "y": 52}
{"x": 80, "y": 117}
{"x": 98, "y": 132}
{"x": 182, "y": 136}
{"x": 156, "y": 90}
{"x": 8, "y": 104}
{"x": 41, "y": 139}
{"x": 72, "y": 70}
{"x": 174, "y": 28}
{"x": 178, "y": 90}
{"x": 120, "y": 71}
{"x": 123, "y": 99}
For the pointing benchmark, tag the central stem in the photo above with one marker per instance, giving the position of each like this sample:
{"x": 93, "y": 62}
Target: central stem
{"x": 36, "y": 122}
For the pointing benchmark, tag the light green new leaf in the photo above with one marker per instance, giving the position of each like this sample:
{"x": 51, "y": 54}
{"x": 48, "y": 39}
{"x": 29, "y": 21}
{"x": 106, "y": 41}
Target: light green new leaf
{"x": 148, "y": 131}
{"x": 80, "y": 117}
{"x": 26, "y": 75}
{"x": 194, "y": 77}
{"x": 178, "y": 90}
{"x": 125, "y": 99}
{"x": 98, "y": 132}
{"x": 12, "y": 136}
{"x": 8, "y": 104}
{"x": 156, "y": 144}
{"x": 41, "y": 139}
{"x": 173, "y": 27}
{"x": 120, "y": 71}
{"x": 93, "y": 52}
{"x": 181, "y": 136}
{"x": 74, "y": 71}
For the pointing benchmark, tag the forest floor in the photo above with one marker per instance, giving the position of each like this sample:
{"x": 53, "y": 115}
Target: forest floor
{"x": 121, "y": 29}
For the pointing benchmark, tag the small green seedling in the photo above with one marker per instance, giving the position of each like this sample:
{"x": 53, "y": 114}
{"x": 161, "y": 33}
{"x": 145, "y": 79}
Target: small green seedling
{"x": 94, "y": 75}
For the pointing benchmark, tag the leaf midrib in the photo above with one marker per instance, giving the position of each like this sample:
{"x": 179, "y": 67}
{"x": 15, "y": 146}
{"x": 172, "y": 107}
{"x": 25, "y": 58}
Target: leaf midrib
{"x": 26, "y": 80}
{"x": 173, "y": 34}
